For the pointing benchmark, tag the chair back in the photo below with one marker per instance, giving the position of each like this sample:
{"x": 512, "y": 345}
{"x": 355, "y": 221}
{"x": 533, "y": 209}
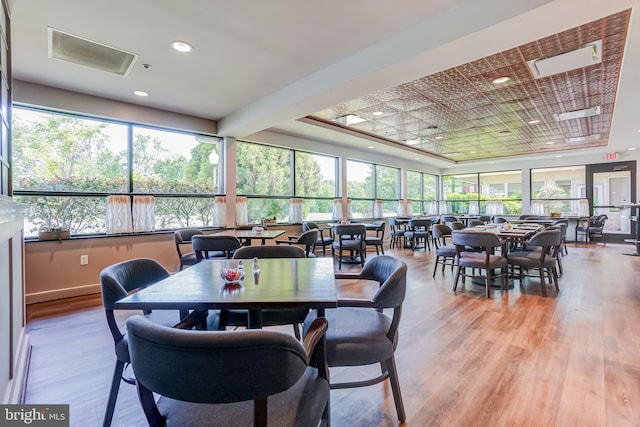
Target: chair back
{"x": 358, "y": 231}
{"x": 382, "y": 225}
{"x": 485, "y": 218}
{"x": 183, "y": 237}
{"x": 546, "y": 238}
{"x": 419, "y": 224}
{"x": 391, "y": 274}
{"x": 499, "y": 220}
{"x": 475, "y": 223}
{"x": 269, "y": 251}
{"x": 479, "y": 239}
{"x": 440, "y": 231}
{"x": 118, "y": 280}
{"x": 206, "y": 243}
{"x": 235, "y": 365}
{"x": 308, "y": 225}
{"x": 308, "y": 239}
{"x": 458, "y": 225}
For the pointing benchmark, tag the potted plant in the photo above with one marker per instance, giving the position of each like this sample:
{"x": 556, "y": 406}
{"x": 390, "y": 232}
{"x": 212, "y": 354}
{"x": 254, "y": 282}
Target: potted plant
{"x": 54, "y": 233}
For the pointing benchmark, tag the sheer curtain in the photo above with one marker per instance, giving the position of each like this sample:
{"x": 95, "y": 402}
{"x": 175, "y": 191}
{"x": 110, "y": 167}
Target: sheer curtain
{"x": 143, "y": 213}
{"x": 443, "y": 207}
{"x": 220, "y": 211}
{"x": 473, "y": 207}
{"x": 402, "y": 208}
{"x": 494, "y": 207}
{"x": 349, "y": 209}
{"x": 583, "y": 207}
{"x": 242, "y": 215}
{"x": 295, "y": 210}
{"x": 432, "y": 208}
{"x": 408, "y": 207}
{"x": 337, "y": 209}
{"x": 119, "y": 215}
{"x": 377, "y": 209}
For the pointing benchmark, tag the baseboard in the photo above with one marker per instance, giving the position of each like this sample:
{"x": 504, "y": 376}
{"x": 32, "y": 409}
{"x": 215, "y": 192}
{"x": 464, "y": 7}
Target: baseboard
{"x": 61, "y": 293}
{"x": 17, "y": 385}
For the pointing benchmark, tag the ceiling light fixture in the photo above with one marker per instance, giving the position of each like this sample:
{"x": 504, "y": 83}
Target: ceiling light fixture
{"x": 584, "y": 56}
{"x": 140, "y": 93}
{"x": 585, "y": 138}
{"x": 181, "y": 46}
{"x": 533, "y": 122}
{"x": 371, "y": 146}
{"x": 412, "y": 142}
{"x": 550, "y": 142}
{"x": 577, "y": 114}
{"x": 440, "y": 137}
{"x": 377, "y": 113}
{"x": 349, "y": 119}
{"x": 500, "y": 80}
{"x": 632, "y": 149}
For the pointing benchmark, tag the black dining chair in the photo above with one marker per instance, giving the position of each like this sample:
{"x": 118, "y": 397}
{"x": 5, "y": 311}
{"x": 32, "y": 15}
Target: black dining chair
{"x": 323, "y": 241}
{"x": 418, "y": 230}
{"x": 482, "y": 259}
{"x": 349, "y": 238}
{"x": 240, "y": 378}
{"x": 116, "y": 282}
{"x": 377, "y": 239}
{"x": 360, "y": 332}
{"x": 183, "y": 238}
{"x": 307, "y": 240}
{"x": 445, "y": 254}
{"x": 270, "y": 317}
{"x": 594, "y": 229}
{"x": 214, "y": 246}
{"x": 543, "y": 261}
{"x": 397, "y": 229}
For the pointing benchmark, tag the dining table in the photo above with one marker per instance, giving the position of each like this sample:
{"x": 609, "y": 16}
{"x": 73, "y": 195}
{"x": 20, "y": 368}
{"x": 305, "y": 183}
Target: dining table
{"x": 248, "y": 235}
{"x": 281, "y": 283}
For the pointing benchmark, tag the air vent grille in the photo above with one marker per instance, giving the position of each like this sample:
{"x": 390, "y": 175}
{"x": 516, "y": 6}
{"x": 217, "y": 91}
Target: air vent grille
{"x": 70, "y": 48}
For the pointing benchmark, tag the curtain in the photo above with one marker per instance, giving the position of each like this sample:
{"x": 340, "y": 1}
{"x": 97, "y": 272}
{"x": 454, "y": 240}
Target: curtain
{"x": 119, "y": 215}
{"x": 377, "y": 209}
{"x": 242, "y": 215}
{"x": 220, "y": 211}
{"x": 408, "y": 207}
{"x": 143, "y": 213}
{"x": 583, "y": 207}
{"x": 432, "y": 208}
{"x": 349, "y": 209}
{"x": 402, "y": 208}
{"x": 473, "y": 207}
{"x": 494, "y": 207}
{"x": 537, "y": 207}
{"x": 443, "y": 207}
{"x": 295, "y": 210}
{"x": 337, "y": 209}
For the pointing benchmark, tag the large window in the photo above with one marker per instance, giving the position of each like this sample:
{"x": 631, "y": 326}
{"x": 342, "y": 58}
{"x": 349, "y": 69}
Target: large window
{"x": 66, "y": 166}
{"x": 271, "y": 176}
{"x": 458, "y": 191}
{"x": 422, "y": 190}
{"x": 501, "y": 193}
{"x": 557, "y": 190}
{"x": 368, "y": 182}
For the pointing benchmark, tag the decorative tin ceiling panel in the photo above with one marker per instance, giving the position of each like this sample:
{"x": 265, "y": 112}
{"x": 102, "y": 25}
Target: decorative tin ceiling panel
{"x": 462, "y": 114}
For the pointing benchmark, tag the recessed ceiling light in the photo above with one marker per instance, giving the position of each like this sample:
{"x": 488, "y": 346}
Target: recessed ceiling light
{"x": 472, "y": 152}
{"x": 349, "y": 119}
{"x": 440, "y": 136}
{"x": 416, "y": 158}
{"x": 559, "y": 155}
{"x": 181, "y": 46}
{"x": 140, "y": 93}
{"x": 371, "y": 146}
{"x": 631, "y": 148}
{"x": 501, "y": 80}
{"x": 533, "y": 122}
{"x": 412, "y": 142}
{"x": 550, "y": 142}
{"x": 377, "y": 113}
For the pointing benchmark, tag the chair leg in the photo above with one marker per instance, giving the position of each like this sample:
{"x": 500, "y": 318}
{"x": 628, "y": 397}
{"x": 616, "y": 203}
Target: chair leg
{"x": 435, "y": 267}
{"x": 296, "y": 331}
{"x": 113, "y": 393}
{"x": 455, "y": 282}
{"x": 487, "y": 283}
{"x": 395, "y": 388}
{"x": 543, "y": 283}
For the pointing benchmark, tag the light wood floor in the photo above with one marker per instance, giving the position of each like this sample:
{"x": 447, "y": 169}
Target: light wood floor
{"x": 518, "y": 359}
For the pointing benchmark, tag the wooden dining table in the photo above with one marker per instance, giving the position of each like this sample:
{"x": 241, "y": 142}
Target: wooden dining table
{"x": 283, "y": 283}
{"x": 248, "y": 235}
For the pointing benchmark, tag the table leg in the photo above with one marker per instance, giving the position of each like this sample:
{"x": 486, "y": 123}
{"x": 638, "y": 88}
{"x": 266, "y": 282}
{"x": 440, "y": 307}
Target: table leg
{"x": 255, "y": 319}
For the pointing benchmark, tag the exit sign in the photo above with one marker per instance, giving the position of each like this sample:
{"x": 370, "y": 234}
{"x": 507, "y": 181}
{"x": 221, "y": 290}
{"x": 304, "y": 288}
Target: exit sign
{"x": 612, "y": 156}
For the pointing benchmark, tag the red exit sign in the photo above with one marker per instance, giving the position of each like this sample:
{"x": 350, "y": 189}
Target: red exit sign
{"x": 612, "y": 156}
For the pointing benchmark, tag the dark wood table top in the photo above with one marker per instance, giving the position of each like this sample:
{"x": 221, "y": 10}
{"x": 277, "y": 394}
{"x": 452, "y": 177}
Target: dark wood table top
{"x": 248, "y": 234}
{"x": 282, "y": 283}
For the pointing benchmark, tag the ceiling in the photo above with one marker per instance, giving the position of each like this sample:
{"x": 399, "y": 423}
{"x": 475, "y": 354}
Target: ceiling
{"x": 294, "y": 67}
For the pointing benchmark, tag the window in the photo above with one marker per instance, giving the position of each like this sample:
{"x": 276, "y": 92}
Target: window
{"x": 387, "y": 189}
{"x": 65, "y": 167}
{"x": 501, "y": 193}
{"x": 270, "y": 176}
{"x": 360, "y": 188}
{"x": 422, "y": 191}
{"x": 458, "y": 190}
{"x": 557, "y": 190}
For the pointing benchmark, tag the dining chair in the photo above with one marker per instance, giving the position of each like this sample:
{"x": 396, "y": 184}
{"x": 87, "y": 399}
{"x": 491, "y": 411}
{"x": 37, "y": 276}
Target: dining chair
{"x": 396, "y": 232}
{"x": 485, "y": 218}
{"x": 543, "y": 261}
{"x": 418, "y": 230}
{"x": 183, "y": 238}
{"x": 270, "y": 316}
{"x": 360, "y": 332}
{"x": 323, "y": 241}
{"x": 482, "y": 259}
{"x": 377, "y": 240}
{"x": 349, "y": 238}
{"x": 214, "y": 246}
{"x": 445, "y": 254}
{"x": 594, "y": 229}
{"x": 240, "y": 378}
{"x": 307, "y": 240}
{"x": 116, "y": 282}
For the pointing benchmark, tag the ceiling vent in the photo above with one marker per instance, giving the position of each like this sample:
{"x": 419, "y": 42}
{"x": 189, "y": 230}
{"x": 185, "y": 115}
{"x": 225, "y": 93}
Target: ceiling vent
{"x": 579, "y": 58}
{"x": 70, "y": 48}
{"x": 579, "y": 139}
{"x": 577, "y": 114}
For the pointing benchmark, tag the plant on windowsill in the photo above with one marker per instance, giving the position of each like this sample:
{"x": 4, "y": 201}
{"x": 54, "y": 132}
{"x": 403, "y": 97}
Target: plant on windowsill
{"x": 54, "y": 233}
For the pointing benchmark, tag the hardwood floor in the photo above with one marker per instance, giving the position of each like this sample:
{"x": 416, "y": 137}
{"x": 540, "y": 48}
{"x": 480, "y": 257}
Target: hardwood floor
{"x": 517, "y": 359}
